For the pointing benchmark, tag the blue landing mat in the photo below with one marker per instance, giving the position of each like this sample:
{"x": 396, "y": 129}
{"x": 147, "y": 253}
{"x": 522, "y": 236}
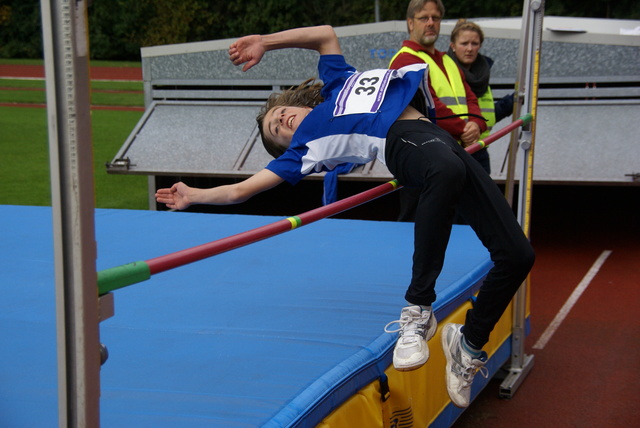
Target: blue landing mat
{"x": 277, "y": 333}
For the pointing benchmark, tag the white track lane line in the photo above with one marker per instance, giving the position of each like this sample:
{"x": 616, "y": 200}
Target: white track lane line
{"x": 577, "y": 292}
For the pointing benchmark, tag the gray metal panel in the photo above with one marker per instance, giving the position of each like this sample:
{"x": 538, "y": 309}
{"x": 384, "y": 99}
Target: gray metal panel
{"x": 257, "y": 159}
{"x": 203, "y": 138}
{"x": 588, "y": 142}
{"x": 188, "y": 138}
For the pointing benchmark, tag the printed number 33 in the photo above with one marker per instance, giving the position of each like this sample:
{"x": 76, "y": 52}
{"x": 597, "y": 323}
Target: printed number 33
{"x": 367, "y": 86}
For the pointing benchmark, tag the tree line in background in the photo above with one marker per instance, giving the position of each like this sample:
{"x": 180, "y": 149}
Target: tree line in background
{"x": 119, "y": 28}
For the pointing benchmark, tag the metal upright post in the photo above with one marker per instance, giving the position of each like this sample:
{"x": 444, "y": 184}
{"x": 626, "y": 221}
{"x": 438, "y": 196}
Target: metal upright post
{"x": 66, "y": 54}
{"x": 517, "y": 108}
{"x": 527, "y": 88}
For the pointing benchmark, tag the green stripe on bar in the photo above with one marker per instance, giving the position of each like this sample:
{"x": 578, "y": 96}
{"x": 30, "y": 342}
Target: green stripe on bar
{"x": 122, "y": 276}
{"x": 295, "y": 221}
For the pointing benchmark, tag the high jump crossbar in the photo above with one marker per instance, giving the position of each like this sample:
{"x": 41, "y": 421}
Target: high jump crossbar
{"x": 132, "y": 273}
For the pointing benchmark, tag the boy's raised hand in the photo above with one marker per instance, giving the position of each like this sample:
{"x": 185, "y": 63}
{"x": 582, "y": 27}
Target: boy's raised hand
{"x": 247, "y": 50}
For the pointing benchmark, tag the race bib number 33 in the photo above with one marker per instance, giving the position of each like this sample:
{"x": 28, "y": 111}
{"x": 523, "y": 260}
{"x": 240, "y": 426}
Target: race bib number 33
{"x": 363, "y": 92}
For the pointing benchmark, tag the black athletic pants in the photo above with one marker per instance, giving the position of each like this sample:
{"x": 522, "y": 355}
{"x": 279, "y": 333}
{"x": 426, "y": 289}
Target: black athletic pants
{"x": 420, "y": 154}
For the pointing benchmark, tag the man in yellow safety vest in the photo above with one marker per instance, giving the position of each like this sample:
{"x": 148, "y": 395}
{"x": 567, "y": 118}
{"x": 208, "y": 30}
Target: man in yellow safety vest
{"x": 448, "y": 87}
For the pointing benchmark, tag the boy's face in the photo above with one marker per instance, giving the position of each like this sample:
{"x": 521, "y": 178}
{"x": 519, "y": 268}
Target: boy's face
{"x": 280, "y": 123}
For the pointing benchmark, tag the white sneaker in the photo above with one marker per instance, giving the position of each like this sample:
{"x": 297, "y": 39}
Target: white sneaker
{"x": 417, "y": 326}
{"x": 461, "y": 366}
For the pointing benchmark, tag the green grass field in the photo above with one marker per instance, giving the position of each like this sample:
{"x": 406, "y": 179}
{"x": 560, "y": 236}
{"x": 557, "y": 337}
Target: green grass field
{"x": 24, "y": 165}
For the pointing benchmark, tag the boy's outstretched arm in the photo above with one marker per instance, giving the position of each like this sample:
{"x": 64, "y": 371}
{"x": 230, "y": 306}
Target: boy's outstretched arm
{"x": 249, "y": 50}
{"x": 180, "y": 196}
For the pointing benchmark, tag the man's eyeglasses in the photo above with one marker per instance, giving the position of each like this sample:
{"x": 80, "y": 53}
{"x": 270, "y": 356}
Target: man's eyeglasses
{"x": 425, "y": 19}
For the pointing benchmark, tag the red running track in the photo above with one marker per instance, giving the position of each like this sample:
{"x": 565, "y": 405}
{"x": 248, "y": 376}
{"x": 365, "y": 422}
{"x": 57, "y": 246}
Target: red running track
{"x": 584, "y": 376}
{"x": 96, "y": 73}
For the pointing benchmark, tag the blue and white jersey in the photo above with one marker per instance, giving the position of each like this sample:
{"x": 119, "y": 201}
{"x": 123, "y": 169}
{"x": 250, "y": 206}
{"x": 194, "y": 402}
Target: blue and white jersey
{"x": 352, "y": 123}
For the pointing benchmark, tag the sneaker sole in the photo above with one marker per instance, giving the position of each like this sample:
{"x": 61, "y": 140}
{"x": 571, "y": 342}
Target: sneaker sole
{"x": 448, "y": 357}
{"x": 407, "y": 367}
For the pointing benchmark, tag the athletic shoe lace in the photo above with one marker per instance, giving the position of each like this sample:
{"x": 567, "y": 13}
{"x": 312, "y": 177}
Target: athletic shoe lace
{"x": 469, "y": 371}
{"x": 404, "y": 320}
